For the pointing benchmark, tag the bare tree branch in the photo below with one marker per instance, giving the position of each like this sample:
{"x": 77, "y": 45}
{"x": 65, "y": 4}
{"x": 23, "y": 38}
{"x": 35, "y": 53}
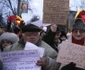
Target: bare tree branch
{"x": 8, "y": 4}
{"x": 11, "y": 6}
{"x": 5, "y": 2}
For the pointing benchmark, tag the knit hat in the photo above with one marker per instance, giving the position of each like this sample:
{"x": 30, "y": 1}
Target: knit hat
{"x": 30, "y": 28}
{"x": 9, "y": 36}
{"x": 78, "y": 24}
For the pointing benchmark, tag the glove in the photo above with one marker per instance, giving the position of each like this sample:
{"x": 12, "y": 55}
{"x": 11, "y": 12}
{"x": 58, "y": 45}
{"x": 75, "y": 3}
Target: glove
{"x": 70, "y": 66}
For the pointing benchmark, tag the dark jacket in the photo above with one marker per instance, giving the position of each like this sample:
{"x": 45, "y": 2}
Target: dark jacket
{"x": 49, "y": 39}
{"x": 1, "y": 65}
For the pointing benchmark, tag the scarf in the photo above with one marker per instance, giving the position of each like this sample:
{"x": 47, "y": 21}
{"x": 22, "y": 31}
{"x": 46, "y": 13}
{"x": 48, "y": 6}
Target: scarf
{"x": 79, "y": 42}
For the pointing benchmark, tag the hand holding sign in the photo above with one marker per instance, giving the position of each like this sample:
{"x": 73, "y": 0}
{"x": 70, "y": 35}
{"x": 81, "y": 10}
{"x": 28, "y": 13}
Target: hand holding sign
{"x": 70, "y": 52}
{"x": 70, "y": 66}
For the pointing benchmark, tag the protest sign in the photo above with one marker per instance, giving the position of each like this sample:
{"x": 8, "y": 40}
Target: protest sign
{"x": 56, "y": 11}
{"x": 20, "y": 60}
{"x": 31, "y": 46}
{"x": 70, "y": 52}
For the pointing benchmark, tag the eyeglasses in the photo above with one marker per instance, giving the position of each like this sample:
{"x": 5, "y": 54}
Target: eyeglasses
{"x": 78, "y": 31}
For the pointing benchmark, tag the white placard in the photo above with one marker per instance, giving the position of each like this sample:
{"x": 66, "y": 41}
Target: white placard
{"x": 20, "y": 60}
{"x": 70, "y": 52}
{"x": 31, "y": 46}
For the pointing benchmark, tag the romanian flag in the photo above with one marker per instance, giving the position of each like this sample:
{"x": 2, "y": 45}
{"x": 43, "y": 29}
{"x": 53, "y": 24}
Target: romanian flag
{"x": 80, "y": 14}
{"x": 14, "y": 18}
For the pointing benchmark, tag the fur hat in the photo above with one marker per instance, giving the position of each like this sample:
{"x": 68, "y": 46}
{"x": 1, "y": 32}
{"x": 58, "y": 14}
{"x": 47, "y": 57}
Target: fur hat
{"x": 78, "y": 25}
{"x": 9, "y": 36}
{"x": 30, "y": 28}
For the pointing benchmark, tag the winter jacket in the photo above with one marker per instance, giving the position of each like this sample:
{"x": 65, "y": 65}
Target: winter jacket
{"x": 50, "y": 54}
{"x": 1, "y": 65}
{"x": 49, "y": 39}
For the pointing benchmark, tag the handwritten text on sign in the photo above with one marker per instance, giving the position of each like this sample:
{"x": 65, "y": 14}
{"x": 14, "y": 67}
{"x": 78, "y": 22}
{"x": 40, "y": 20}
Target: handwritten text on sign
{"x": 72, "y": 53}
{"x": 56, "y": 11}
{"x": 20, "y": 60}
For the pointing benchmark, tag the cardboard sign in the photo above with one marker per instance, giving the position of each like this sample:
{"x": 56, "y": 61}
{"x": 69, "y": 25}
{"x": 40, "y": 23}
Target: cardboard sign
{"x": 56, "y": 11}
{"x": 70, "y": 52}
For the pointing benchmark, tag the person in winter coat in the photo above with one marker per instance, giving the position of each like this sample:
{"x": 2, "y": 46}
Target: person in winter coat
{"x": 78, "y": 37}
{"x": 31, "y": 33}
{"x": 7, "y": 39}
{"x": 52, "y": 37}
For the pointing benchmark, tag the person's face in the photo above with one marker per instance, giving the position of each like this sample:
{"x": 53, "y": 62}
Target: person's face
{"x": 32, "y": 37}
{"x": 63, "y": 38}
{"x": 78, "y": 34}
{"x": 6, "y": 43}
{"x": 57, "y": 37}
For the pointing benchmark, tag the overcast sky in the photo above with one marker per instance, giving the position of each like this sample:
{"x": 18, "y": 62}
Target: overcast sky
{"x": 37, "y": 9}
{"x": 74, "y": 5}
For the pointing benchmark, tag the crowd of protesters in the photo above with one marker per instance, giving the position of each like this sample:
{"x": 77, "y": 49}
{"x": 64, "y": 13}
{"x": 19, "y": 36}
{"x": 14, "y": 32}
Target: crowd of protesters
{"x": 16, "y": 38}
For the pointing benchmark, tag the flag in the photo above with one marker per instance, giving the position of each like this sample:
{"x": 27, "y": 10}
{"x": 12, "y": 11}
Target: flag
{"x": 80, "y": 14}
